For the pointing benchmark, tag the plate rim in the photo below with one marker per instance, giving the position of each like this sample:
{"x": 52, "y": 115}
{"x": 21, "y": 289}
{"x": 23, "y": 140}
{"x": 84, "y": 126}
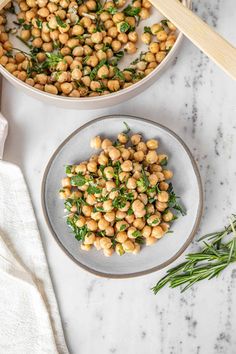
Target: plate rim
{"x": 194, "y": 228}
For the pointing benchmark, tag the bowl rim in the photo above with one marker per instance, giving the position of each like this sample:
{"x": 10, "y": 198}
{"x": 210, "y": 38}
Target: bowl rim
{"x": 150, "y": 270}
{"x": 96, "y": 99}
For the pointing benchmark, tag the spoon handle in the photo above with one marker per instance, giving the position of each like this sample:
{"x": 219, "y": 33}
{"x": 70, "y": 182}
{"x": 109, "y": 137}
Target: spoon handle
{"x": 210, "y": 42}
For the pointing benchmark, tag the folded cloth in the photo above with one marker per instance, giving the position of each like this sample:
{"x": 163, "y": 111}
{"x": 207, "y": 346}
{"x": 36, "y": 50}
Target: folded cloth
{"x": 29, "y": 317}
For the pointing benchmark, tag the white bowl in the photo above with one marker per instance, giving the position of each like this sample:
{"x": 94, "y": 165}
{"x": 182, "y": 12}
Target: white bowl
{"x": 186, "y": 182}
{"x": 112, "y": 98}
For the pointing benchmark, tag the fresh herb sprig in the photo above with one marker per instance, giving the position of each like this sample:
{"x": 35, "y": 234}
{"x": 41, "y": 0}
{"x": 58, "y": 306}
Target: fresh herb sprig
{"x": 216, "y": 254}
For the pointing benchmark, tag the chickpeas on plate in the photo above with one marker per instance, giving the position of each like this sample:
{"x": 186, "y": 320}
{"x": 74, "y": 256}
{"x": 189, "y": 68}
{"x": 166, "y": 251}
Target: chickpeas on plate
{"x": 73, "y": 48}
{"x": 117, "y": 204}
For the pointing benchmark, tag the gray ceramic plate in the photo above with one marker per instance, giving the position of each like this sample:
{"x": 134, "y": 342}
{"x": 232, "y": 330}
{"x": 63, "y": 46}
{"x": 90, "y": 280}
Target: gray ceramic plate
{"x": 186, "y": 181}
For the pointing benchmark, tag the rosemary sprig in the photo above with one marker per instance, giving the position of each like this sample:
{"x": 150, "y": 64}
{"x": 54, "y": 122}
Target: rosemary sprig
{"x": 217, "y": 252}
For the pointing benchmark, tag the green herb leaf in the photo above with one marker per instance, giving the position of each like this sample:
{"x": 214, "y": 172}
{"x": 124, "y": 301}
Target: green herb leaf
{"x": 94, "y": 72}
{"x": 78, "y": 180}
{"x": 164, "y": 162}
{"x": 147, "y": 30}
{"x": 112, "y": 10}
{"x": 68, "y": 169}
{"x": 39, "y": 23}
{"x": 172, "y": 203}
{"x": 124, "y": 27}
{"x": 60, "y": 22}
{"x": 93, "y": 190}
{"x": 131, "y": 11}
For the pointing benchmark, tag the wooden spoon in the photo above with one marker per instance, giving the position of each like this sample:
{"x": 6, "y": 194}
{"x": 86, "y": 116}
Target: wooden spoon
{"x": 210, "y": 42}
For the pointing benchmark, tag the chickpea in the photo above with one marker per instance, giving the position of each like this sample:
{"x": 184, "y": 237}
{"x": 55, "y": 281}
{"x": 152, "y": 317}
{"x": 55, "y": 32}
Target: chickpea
{"x": 141, "y": 147}
{"x": 150, "y": 240}
{"x": 125, "y": 154}
{"x": 161, "y": 36}
{"x": 97, "y": 37}
{"x": 114, "y": 153}
{"x": 168, "y": 216}
{"x": 155, "y": 28}
{"x": 165, "y": 227}
{"x": 137, "y": 248}
{"x": 128, "y": 246}
{"x": 168, "y": 174}
{"x": 146, "y": 38}
{"x": 139, "y": 156}
{"x": 106, "y": 143}
{"x": 133, "y": 36}
{"x": 96, "y": 215}
{"x": 121, "y": 236}
{"x": 157, "y": 232}
{"x": 116, "y": 45}
{"x": 108, "y": 252}
{"x": 97, "y": 243}
{"x": 160, "y": 56}
{"x": 81, "y": 221}
{"x": 130, "y": 48}
{"x": 163, "y": 186}
{"x": 137, "y": 205}
{"x": 161, "y": 206}
{"x": 118, "y": 17}
{"x": 113, "y": 85}
{"x": 154, "y": 220}
{"x": 119, "y": 249}
{"x": 103, "y": 72}
{"x": 85, "y": 247}
{"x": 11, "y": 67}
{"x": 131, "y": 183}
{"x": 87, "y": 210}
{"x": 141, "y": 65}
{"x": 153, "y": 179}
{"x": 149, "y": 57}
{"x": 131, "y": 232}
{"x": 96, "y": 143}
{"x": 127, "y": 166}
{"x": 146, "y": 231}
{"x": 139, "y": 223}
{"x": 144, "y": 13}
{"x": 107, "y": 206}
{"x": 130, "y": 218}
{"x": 95, "y": 85}
{"x": 25, "y": 35}
{"x": 103, "y": 160}
{"x": 163, "y": 197}
{"x": 89, "y": 238}
{"x": 65, "y": 193}
{"x": 110, "y": 216}
{"x": 109, "y": 172}
{"x": 65, "y": 182}
{"x": 151, "y": 157}
{"x": 120, "y": 215}
{"x": 123, "y": 38}
{"x": 105, "y": 243}
{"x": 121, "y": 225}
{"x": 123, "y": 138}
{"x": 110, "y": 185}
{"x": 109, "y": 231}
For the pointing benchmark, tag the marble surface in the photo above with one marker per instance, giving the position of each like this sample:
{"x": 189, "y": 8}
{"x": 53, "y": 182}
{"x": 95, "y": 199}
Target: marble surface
{"x": 197, "y": 101}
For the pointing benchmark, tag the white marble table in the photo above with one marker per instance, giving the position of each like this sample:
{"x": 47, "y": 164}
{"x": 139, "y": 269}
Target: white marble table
{"x": 197, "y": 100}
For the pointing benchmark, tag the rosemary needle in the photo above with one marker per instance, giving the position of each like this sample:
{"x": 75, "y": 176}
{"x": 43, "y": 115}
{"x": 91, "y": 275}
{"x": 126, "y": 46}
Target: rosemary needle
{"x": 215, "y": 255}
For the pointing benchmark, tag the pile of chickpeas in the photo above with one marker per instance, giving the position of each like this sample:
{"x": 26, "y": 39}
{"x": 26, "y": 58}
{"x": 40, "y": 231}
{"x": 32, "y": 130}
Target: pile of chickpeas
{"x": 118, "y": 199}
{"x": 73, "y": 47}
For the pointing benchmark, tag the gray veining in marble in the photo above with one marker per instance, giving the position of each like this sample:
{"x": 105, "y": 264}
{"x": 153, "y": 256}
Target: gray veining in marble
{"x": 198, "y": 101}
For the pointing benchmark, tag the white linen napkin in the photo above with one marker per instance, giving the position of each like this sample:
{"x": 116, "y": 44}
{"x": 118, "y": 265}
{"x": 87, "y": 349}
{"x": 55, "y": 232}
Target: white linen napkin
{"x": 29, "y": 318}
